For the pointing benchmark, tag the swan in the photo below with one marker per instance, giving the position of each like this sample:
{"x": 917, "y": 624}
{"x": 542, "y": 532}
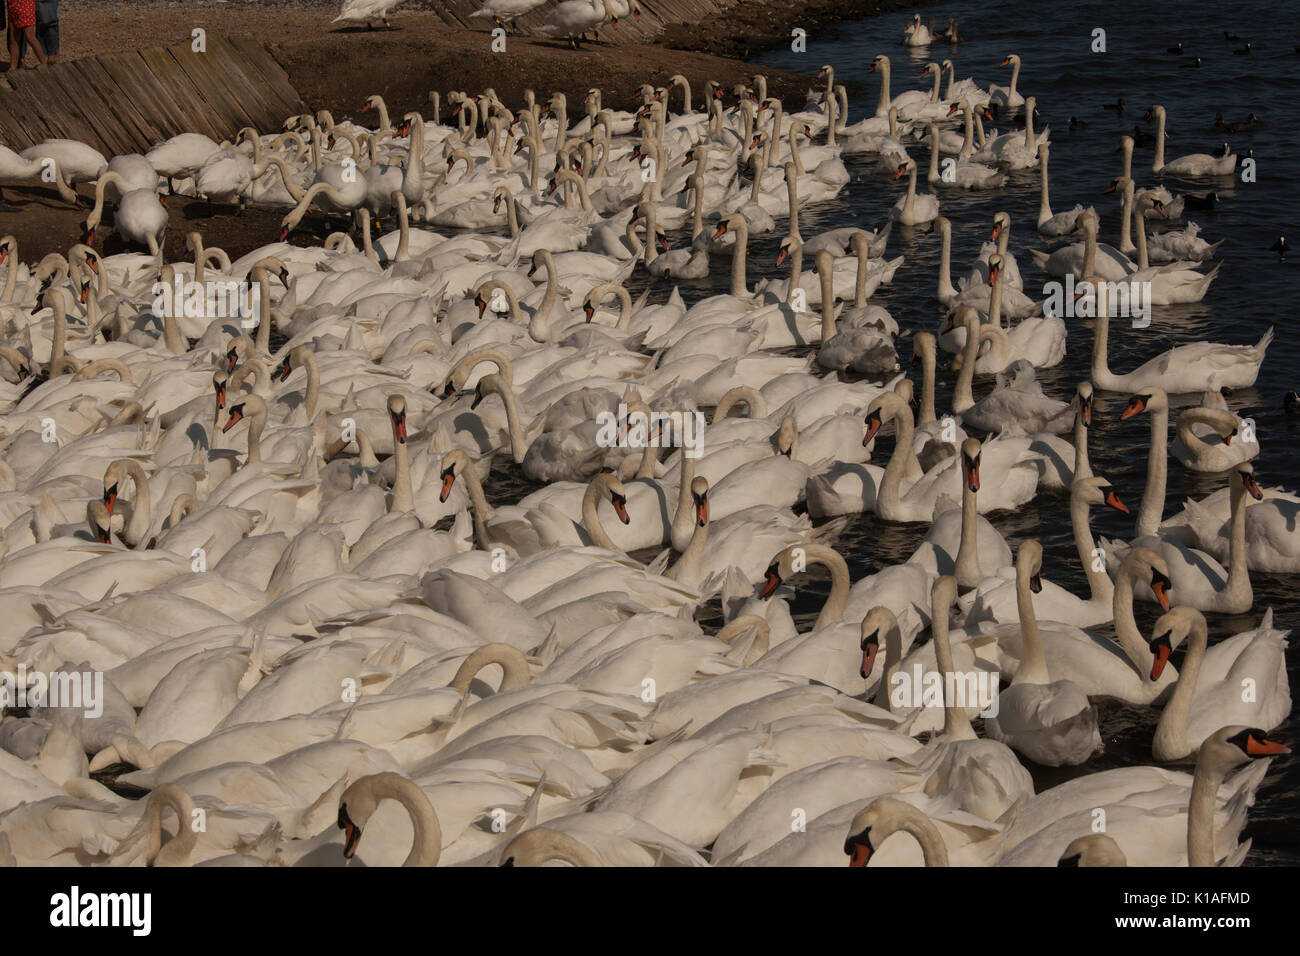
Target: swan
{"x": 572, "y": 18}
{"x": 1050, "y": 722}
{"x": 181, "y": 156}
{"x": 1008, "y": 97}
{"x": 141, "y": 215}
{"x": 1200, "y": 580}
{"x": 1158, "y": 817}
{"x": 965, "y": 174}
{"x": 1213, "y": 448}
{"x": 996, "y": 598}
{"x": 74, "y": 161}
{"x": 364, "y": 11}
{"x": 1193, "y": 164}
{"x": 913, "y": 209}
{"x": 1200, "y": 706}
{"x": 916, "y": 34}
{"x": 1185, "y": 368}
{"x": 1062, "y": 223}
{"x": 362, "y": 798}
{"x": 503, "y": 11}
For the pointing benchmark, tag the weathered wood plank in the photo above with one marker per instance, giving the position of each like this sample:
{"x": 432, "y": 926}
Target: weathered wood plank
{"x": 198, "y": 116}
{"x": 166, "y": 117}
{"x": 139, "y": 133}
{"x": 213, "y": 87}
{"x": 49, "y": 104}
{"x": 227, "y": 62}
{"x": 90, "y": 108}
{"x": 259, "y": 59}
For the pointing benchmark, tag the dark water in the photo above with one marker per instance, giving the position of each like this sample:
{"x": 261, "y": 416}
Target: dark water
{"x": 1254, "y": 290}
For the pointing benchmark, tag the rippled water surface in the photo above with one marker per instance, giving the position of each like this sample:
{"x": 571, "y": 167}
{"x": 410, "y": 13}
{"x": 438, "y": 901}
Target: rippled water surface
{"x": 1254, "y": 290}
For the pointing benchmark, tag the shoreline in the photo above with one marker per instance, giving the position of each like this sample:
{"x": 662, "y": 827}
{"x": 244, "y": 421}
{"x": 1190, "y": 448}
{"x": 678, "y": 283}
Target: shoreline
{"x": 336, "y": 67}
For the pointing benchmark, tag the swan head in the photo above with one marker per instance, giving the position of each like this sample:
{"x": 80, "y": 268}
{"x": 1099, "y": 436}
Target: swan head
{"x": 1098, "y": 491}
{"x": 970, "y": 463}
{"x": 878, "y": 622}
{"x": 1011, "y": 60}
{"x": 1244, "y": 475}
{"x": 1083, "y": 397}
{"x": 1235, "y": 745}
{"x": 883, "y": 407}
{"x": 881, "y": 62}
{"x": 1152, "y": 399}
{"x": 1143, "y": 564}
{"x": 113, "y": 478}
{"x": 700, "y": 495}
{"x": 219, "y": 380}
{"x": 787, "y": 563}
{"x": 454, "y": 463}
{"x": 100, "y": 521}
{"x": 995, "y": 262}
{"x": 1000, "y": 222}
{"x": 1169, "y": 631}
{"x": 788, "y": 245}
{"x": 612, "y": 486}
{"x": 1029, "y": 563}
{"x": 397, "y": 415}
{"x": 787, "y": 437}
{"x": 884, "y": 816}
{"x": 250, "y": 407}
{"x": 1095, "y": 849}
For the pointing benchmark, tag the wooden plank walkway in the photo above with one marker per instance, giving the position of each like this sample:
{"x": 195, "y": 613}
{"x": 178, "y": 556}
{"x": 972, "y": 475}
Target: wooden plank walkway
{"x": 128, "y": 102}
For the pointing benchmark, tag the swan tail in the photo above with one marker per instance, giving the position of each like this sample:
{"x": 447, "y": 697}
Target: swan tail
{"x": 1264, "y": 342}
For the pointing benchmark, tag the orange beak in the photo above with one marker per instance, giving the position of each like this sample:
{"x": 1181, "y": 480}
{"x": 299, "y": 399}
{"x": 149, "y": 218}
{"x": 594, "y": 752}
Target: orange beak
{"x": 1253, "y": 487}
{"x": 868, "y": 660}
{"x": 770, "y": 583}
{"x": 620, "y": 508}
{"x": 1161, "y": 650}
{"x": 702, "y": 511}
{"x": 719, "y": 231}
{"x": 448, "y": 479}
{"x": 860, "y": 852}
{"x": 1136, "y": 406}
{"x": 873, "y": 424}
{"x": 1160, "y": 588}
{"x": 1113, "y": 501}
{"x": 1264, "y": 748}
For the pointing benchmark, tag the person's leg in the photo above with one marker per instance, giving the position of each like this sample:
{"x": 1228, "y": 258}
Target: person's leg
{"x": 30, "y": 34}
{"x": 47, "y": 27}
{"x": 15, "y": 58}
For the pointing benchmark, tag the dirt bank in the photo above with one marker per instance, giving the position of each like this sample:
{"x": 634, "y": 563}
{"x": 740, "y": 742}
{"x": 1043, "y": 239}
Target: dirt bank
{"x": 336, "y": 67}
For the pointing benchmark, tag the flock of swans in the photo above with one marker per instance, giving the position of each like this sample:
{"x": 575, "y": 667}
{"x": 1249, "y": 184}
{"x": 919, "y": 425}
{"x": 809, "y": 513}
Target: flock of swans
{"x": 293, "y": 543}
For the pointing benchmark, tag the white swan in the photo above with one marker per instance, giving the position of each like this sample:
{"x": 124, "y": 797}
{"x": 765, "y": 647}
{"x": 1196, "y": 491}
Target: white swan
{"x": 1200, "y": 705}
{"x": 1050, "y": 722}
